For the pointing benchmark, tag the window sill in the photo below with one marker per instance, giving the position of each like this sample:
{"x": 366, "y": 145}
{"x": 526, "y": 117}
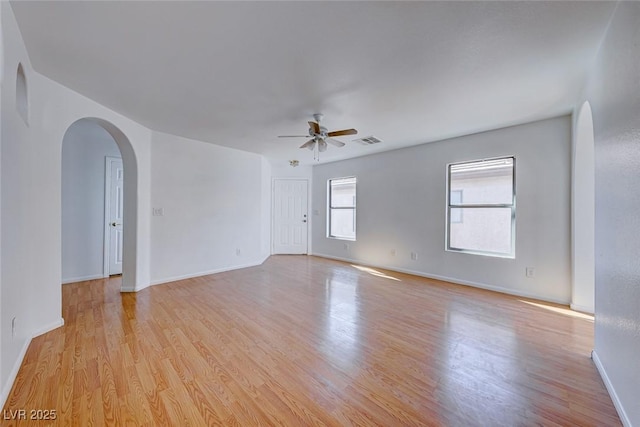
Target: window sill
{"x": 481, "y": 253}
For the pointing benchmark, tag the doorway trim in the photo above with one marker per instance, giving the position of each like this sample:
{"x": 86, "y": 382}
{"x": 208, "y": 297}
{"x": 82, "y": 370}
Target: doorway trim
{"x": 583, "y": 211}
{"x": 107, "y": 210}
{"x": 131, "y": 268}
{"x": 274, "y": 183}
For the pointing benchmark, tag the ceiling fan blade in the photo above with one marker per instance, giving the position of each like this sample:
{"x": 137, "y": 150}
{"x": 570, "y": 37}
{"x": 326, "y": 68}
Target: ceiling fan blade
{"x": 293, "y": 136}
{"x": 314, "y": 127}
{"x": 343, "y": 132}
{"x": 308, "y": 144}
{"x": 335, "y": 142}
{"x": 322, "y": 145}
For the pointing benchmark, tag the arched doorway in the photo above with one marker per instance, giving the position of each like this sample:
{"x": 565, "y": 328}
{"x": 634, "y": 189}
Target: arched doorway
{"x": 108, "y": 141}
{"x": 583, "y": 212}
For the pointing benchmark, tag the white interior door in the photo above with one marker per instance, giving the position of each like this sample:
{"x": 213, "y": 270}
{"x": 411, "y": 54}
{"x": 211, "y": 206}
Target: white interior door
{"x": 290, "y": 219}
{"x": 114, "y": 214}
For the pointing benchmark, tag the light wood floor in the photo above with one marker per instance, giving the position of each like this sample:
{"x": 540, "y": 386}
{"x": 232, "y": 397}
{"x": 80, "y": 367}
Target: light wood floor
{"x": 308, "y": 341}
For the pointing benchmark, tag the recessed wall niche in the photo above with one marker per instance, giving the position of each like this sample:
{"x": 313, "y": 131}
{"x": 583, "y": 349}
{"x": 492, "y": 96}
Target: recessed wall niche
{"x": 22, "y": 99}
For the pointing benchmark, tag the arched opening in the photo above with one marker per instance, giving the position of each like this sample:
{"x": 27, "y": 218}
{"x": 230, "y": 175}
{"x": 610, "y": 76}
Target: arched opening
{"x": 22, "y": 99}
{"x": 583, "y": 212}
{"x": 90, "y": 147}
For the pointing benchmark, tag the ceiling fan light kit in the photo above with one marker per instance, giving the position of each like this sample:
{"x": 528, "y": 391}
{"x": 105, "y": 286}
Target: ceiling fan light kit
{"x": 320, "y": 136}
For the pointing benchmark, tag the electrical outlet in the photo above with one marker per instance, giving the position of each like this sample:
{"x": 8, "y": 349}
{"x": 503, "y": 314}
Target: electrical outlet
{"x": 158, "y": 211}
{"x": 530, "y": 272}
{"x": 237, "y": 251}
{"x": 393, "y": 252}
{"x": 414, "y": 256}
{"x": 346, "y": 247}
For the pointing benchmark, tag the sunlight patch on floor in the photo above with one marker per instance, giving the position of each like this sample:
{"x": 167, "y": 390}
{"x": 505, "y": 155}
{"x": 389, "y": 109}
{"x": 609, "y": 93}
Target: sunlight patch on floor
{"x": 374, "y": 272}
{"x": 565, "y": 311}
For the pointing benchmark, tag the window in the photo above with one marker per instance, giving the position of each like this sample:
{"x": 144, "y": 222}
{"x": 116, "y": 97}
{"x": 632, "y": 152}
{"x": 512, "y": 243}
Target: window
{"x": 481, "y": 207}
{"x": 342, "y": 208}
{"x": 455, "y": 200}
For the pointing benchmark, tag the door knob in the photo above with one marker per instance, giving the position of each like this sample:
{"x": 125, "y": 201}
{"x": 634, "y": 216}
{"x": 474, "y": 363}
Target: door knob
{"x": 114, "y": 224}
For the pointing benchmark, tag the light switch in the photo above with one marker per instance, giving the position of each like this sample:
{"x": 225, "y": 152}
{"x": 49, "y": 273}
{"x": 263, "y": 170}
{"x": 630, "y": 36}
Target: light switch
{"x": 158, "y": 211}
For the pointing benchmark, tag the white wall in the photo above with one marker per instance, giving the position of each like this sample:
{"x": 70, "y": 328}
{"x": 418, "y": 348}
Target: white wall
{"x": 18, "y": 289}
{"x": 213, "y": 201}
{"x": 217, "y": 198}
{"x": 31, "y": 200}
{"x": 401, "y": 198}
{"x": 84, "y": 149}
{"x": 280, "y": 170}
{"x": 614, "y": 94}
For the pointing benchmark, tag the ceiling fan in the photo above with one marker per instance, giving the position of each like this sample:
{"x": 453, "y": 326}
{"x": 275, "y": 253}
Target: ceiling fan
{"x": 320, "y": 136}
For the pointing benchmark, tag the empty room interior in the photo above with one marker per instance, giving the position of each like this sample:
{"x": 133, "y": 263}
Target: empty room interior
{"x": 320, "y": 213}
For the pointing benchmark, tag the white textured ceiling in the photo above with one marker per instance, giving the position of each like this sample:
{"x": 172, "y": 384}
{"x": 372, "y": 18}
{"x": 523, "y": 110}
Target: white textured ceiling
{"x": 240, "y": 73}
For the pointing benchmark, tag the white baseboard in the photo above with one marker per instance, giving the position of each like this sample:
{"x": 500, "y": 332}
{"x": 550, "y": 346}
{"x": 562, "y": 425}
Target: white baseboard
{"x": 47, "y": 328}
{"x": 452, "y": 280}
{"x": 626, "y": 422}
{"x": 14, "y": 373}
{"x": 206, "y": 273}
{"x": 23, "y": 352}
{"x": 581, "y": 308}
{"x": 82, "y": 278}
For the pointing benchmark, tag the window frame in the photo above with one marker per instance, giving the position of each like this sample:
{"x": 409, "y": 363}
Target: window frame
{"x": 462, "y": 205}
{"x": 330, "y": 208}
{"x": 458, "y": 218}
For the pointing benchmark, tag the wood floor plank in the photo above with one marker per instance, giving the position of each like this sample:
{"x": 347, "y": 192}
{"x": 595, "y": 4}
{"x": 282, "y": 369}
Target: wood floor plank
{"x": 309, "y": 341}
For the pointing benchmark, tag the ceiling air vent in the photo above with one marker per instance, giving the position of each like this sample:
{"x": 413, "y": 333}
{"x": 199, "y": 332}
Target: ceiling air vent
{"x": 368, "y": 140}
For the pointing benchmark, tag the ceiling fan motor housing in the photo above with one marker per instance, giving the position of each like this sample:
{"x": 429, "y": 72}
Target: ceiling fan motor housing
{"x": 322, "y": 134}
